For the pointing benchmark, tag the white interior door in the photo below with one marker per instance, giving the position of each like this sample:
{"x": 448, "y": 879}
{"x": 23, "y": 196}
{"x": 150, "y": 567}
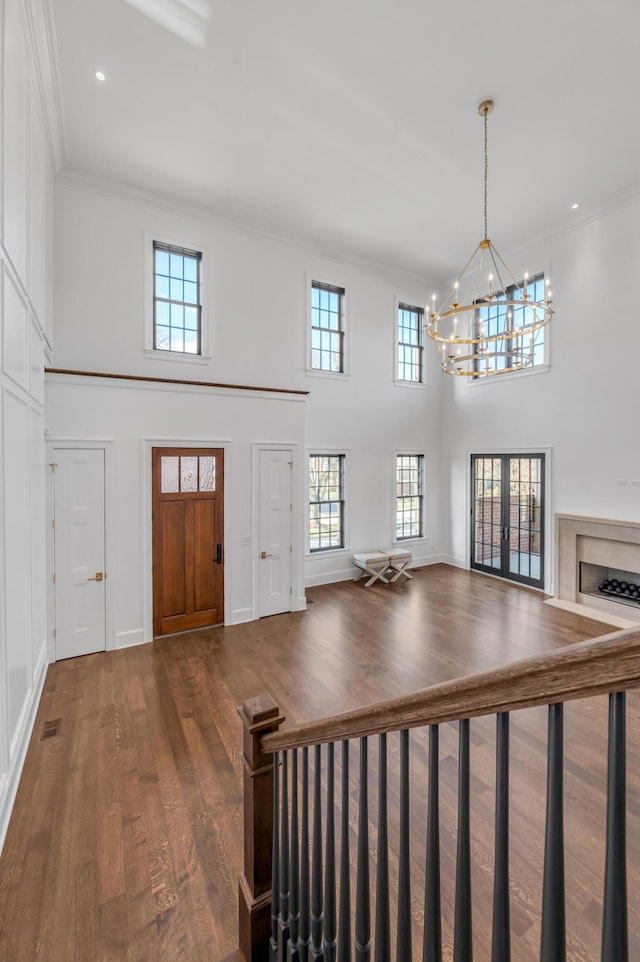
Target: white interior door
{"x": 275, "y": 472}
{"x": 79, "y": 551}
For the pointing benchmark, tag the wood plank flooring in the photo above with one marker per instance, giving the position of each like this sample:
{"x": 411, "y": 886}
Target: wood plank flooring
{"x": 125, "y": 842}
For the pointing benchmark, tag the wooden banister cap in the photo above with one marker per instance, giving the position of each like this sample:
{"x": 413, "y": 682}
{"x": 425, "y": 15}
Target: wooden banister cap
{"x": 259, "y": 710}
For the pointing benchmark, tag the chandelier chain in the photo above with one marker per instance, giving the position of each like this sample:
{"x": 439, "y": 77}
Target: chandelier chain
{"x": 486, "y": 168}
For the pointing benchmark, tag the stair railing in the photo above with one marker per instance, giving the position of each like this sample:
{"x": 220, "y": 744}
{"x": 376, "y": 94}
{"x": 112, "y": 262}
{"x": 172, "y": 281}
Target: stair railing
{"x": 295, "y": 909}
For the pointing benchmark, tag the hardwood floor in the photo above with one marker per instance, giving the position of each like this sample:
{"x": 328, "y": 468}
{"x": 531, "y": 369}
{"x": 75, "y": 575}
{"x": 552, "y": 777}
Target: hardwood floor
{"x": 125, "y": 842}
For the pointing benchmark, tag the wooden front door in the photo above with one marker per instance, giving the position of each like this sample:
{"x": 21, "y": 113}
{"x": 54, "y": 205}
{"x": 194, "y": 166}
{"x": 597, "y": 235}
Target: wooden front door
{"x": 188, "y": 538}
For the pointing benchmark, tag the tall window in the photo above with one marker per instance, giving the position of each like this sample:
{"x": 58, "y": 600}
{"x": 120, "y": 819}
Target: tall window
{"x": 410, "y": 343}
{"x": 498, "y": 319}
{"x": 326, "y": 501}
{"x": 327, "y": 327}
{"x": 409, "y": 496}
{"x": 176, "y": 299}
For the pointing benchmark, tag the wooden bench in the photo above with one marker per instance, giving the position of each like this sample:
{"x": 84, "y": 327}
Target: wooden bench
{"x": 386, "y": 566}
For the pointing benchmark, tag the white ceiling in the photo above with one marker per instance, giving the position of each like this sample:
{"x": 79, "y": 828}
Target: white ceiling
{"x": 352, "y": 124}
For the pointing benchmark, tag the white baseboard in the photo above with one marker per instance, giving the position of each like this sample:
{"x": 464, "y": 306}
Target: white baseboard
{"x": 330, "y": 577}
{"x": 300, "y": 604}
{"x": 348, "y": 574}
{"x": 455, "y": 562}
{"x": 9, "y": 784}
{"x": 128, "y": 639}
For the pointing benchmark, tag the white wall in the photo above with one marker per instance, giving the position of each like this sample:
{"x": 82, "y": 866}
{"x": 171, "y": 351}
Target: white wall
{"x": 585, "y": 408}
{"x": 131, "y": 417}
{"x": 256, "y": 293}
{"x": 25, "y": 321}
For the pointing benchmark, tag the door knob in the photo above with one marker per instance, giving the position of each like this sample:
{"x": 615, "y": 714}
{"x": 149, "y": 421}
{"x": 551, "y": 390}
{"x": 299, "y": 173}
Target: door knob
{"x": 99, "y": 576}
{"x": 263, "y": 554}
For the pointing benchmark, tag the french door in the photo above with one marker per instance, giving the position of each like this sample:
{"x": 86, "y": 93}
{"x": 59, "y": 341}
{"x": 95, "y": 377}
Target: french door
{"x": 507, "y": 516}
{"x": 188, "y": 538}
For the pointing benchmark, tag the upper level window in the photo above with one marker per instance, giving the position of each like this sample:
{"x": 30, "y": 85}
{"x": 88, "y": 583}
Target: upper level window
{"x": 326, "y": 501}
{"x": 327, "y": 327}
{"x": 497, "y": 318}
{"x": 409, "y": 496}
{"x": 410, "y": 344}
{"x": 177, "y": 307}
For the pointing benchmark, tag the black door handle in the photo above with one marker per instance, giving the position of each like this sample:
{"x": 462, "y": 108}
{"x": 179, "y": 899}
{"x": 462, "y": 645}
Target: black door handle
{"x": 218, "y": 554}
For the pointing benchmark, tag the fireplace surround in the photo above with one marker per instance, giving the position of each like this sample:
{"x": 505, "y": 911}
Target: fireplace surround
{"x": 605, "y": 544}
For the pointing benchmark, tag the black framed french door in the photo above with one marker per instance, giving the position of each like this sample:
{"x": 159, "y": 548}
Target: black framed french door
{"x": 507, "y": 516}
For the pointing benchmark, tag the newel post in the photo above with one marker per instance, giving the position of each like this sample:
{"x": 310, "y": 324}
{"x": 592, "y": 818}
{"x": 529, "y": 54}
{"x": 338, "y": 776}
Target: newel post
{"x": 259, "y": 716}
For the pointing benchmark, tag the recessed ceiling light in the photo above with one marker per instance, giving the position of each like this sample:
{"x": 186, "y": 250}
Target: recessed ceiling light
{"x": 574, "y": 206}
{"x": 99, "y": 75}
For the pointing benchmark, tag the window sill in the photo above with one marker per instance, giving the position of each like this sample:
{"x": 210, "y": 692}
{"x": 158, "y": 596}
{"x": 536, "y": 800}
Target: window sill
{"x": 329, "y": 553}
{"x": 420, "y": 385}
{"x": 526, "y": 372}
{"x": 181, "y": 357}
{"x": 332, "y": 375}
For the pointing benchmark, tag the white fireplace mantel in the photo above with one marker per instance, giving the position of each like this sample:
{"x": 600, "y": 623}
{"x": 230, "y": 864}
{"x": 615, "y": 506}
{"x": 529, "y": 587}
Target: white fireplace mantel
{"x": 611, "y": 543}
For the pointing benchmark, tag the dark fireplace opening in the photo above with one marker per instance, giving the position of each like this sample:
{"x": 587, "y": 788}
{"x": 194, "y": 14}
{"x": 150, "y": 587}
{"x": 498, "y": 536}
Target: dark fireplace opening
{"x": 611, "y": 583}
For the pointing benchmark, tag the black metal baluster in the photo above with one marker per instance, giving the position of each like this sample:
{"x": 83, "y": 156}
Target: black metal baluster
{"x": 316, "y": 865}
{"x": 501, "y": 941}
{"x": 432, "y": 944}
{"x": 275, "y": 863}
{"x": 383, "y": 927}
{"x": 305, "y": 907}
{"x": 463, "y": 936}
{"x": 553, "y": 937}
{"x": 329, "y": 939}
{"x": 283, "y": 933}
{"x": 403, "y": 942}
{"x": 363, "y": 919}
{"x": 615, "y": 935}
{"x": 293, "y": 953}
{"x": 344, "y": 924}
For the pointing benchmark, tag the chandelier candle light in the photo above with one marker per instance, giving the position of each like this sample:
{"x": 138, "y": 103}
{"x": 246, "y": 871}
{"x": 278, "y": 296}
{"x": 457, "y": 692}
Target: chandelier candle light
{"x": 466, "y": 348}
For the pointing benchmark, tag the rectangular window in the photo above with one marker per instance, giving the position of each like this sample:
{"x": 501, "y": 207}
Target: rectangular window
{"x": 410, "y": 343}
{"x": 327, "y": 327}
{"x": 326, "y": 501}
{"x": 409, "y": 496}
{"x": 177, "y": 308}
{"x": 499, "y": 319}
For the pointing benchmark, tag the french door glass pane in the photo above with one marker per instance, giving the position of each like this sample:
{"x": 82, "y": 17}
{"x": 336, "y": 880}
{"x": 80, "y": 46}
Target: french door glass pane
{"x": 525, "y": 506}
{"x": 488, "y": 529}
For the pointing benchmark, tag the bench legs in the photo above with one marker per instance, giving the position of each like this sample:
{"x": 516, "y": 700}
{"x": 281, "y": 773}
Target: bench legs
{"x": 376, "y": 571}
{"x": 400, "y": 568}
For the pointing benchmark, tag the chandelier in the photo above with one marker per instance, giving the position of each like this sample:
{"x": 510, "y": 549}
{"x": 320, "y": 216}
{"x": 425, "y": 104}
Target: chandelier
{"x": 494, "y": 332}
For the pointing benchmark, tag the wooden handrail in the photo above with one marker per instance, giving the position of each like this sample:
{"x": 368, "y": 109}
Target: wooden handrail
{"x": 598, "y": 666}
{"x": 173, "y": 380}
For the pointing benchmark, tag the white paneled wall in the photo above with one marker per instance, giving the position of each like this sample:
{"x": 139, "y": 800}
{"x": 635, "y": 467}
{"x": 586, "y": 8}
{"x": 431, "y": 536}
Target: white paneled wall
{"x": 25, "y": 278}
